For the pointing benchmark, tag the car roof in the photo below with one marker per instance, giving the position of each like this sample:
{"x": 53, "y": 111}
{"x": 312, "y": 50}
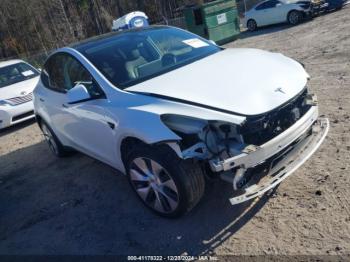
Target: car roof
{"x": 10, "y": 62}
{"x": 282, "y": 1}
{"x": 256, "y": 5}
{"x": 100, "y": 38}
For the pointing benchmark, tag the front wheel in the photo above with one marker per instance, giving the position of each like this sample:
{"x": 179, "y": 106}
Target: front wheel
{"x": 294, "y": 17}
{"x": 251, "y": 25}
{"x": 166, "y": 184}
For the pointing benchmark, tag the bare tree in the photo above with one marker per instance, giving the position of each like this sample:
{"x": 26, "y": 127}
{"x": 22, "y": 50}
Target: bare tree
{"x": 28, "y": 27}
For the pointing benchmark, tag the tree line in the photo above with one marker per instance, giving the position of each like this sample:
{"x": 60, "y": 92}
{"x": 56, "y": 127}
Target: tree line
{"x": 31, "y": 26}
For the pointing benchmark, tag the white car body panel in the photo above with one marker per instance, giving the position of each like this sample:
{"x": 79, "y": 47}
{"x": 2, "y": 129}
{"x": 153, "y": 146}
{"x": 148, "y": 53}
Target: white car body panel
{"x": 234, "y": 88}
{"x": 133, "y": 116}
{"x": 151, "y": 104}
{"x": 20, "y": 89}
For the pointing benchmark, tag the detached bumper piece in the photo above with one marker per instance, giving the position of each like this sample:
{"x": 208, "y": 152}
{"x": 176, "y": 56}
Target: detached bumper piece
{"x": 282, "y": 165}
{"x": 318, "y": 6}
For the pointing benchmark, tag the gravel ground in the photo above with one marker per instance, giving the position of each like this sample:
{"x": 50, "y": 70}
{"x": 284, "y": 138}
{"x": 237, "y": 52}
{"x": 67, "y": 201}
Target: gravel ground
{"x": 78, "y": 205}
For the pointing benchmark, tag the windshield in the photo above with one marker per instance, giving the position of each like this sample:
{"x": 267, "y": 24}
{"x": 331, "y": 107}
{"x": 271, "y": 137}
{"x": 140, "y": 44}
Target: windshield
{"x": 136, "y": 56}
{"x": 15, "y": 73}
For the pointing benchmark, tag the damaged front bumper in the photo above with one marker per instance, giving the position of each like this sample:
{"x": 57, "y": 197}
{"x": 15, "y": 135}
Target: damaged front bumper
{"x": 281, "y": 156}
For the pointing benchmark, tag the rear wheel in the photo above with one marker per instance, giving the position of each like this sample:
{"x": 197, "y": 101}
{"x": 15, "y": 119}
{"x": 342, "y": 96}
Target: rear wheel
{"x": 251, "y": 25}
{"x": 294, "y": 17}
{"x": 166, "y": 184}
{"x": 54, "y": 144}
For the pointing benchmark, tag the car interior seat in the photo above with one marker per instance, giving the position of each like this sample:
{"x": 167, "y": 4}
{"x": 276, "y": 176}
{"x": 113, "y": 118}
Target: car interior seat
{"x": 112, "y": 64}
{"x": 134, "y": 60}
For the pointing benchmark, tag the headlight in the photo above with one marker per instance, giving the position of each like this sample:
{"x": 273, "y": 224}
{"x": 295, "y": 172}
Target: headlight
{"x": 204, "y": 139}
{"x": 184, "y": 124}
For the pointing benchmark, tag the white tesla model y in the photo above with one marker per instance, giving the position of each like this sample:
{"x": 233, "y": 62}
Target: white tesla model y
{"x": 168, "y": 109}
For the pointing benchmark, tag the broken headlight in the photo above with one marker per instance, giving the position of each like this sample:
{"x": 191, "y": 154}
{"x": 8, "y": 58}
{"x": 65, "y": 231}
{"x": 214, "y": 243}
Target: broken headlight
{"x": 205, "y": 139}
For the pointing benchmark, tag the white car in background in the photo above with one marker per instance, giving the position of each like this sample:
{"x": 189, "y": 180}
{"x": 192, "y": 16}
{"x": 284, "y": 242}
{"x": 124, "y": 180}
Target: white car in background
{"x": 276, "y": 11}
{"x": 17, "y": 82}
{"x": 168, "y": 108}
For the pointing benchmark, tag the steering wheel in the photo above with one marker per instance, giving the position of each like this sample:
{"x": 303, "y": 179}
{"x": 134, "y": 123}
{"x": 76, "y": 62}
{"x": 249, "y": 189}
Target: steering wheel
{"x": 168, "y": 59}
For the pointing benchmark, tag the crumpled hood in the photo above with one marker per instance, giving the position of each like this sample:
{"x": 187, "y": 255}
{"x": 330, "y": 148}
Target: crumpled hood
{"x": 17, "y": 89}
{"x": 244, "y": 81}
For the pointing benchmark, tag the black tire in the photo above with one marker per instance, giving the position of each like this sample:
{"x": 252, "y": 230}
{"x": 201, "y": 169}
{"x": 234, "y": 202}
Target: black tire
{"x": 188, "y": 178}
{"x": 294, "y": 17}
{"x": 252, "y": 25}
{"x": 55, "y": 145}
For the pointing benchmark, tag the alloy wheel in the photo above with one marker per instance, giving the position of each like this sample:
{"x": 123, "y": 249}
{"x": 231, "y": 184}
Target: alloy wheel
{"x": 251, "y": 25}
{"x": 294, "y": 18}
{"x": 154, "y": 185}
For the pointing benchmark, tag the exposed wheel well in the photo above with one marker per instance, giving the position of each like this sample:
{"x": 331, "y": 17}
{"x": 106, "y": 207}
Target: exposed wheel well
{"x": 128, "y": 143}
{"x": 294, "y": 10}
{"x": 126, "y": 146}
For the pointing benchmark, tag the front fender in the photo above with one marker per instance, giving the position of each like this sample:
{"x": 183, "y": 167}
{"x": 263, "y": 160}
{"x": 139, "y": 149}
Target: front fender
{"x": 144, "y": 126}
{"x": 138, "y": 116}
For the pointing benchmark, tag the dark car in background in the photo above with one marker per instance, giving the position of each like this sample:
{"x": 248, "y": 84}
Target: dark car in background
{"x": 318, "y": 7}
{"x": 335, "y": 4}
{"x": 321, "y": 6}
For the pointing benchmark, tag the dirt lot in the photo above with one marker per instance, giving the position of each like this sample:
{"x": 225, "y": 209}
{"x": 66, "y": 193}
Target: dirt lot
{"x": 78, "y": 205}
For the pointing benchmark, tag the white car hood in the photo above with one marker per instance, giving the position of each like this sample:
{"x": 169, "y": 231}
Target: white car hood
{"x": 18, "y": 89}
{"x": 243, "y": 81}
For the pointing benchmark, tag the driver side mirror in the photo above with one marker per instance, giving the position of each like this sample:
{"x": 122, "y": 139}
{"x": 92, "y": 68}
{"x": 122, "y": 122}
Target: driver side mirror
{"x": 77, "y": 94}
{"x": 213, "y": 42}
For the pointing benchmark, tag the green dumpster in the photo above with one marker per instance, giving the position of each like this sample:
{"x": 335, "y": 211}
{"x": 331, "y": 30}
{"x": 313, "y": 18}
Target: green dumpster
{"x": 217, "y": 20}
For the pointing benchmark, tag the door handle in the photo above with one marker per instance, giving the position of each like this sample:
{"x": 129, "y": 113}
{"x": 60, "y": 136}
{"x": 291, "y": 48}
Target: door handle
{"x": 64, "y": 105}
{"x": 41, "y": 99}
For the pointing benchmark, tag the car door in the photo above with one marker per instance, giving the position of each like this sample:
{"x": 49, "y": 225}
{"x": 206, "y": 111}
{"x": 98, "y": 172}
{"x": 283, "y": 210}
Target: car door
{"x": 267, "y": 13}
{"x": 280, "y": 11}
{"x": 52, "y": 96}
{"x": 82, "y": 124}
